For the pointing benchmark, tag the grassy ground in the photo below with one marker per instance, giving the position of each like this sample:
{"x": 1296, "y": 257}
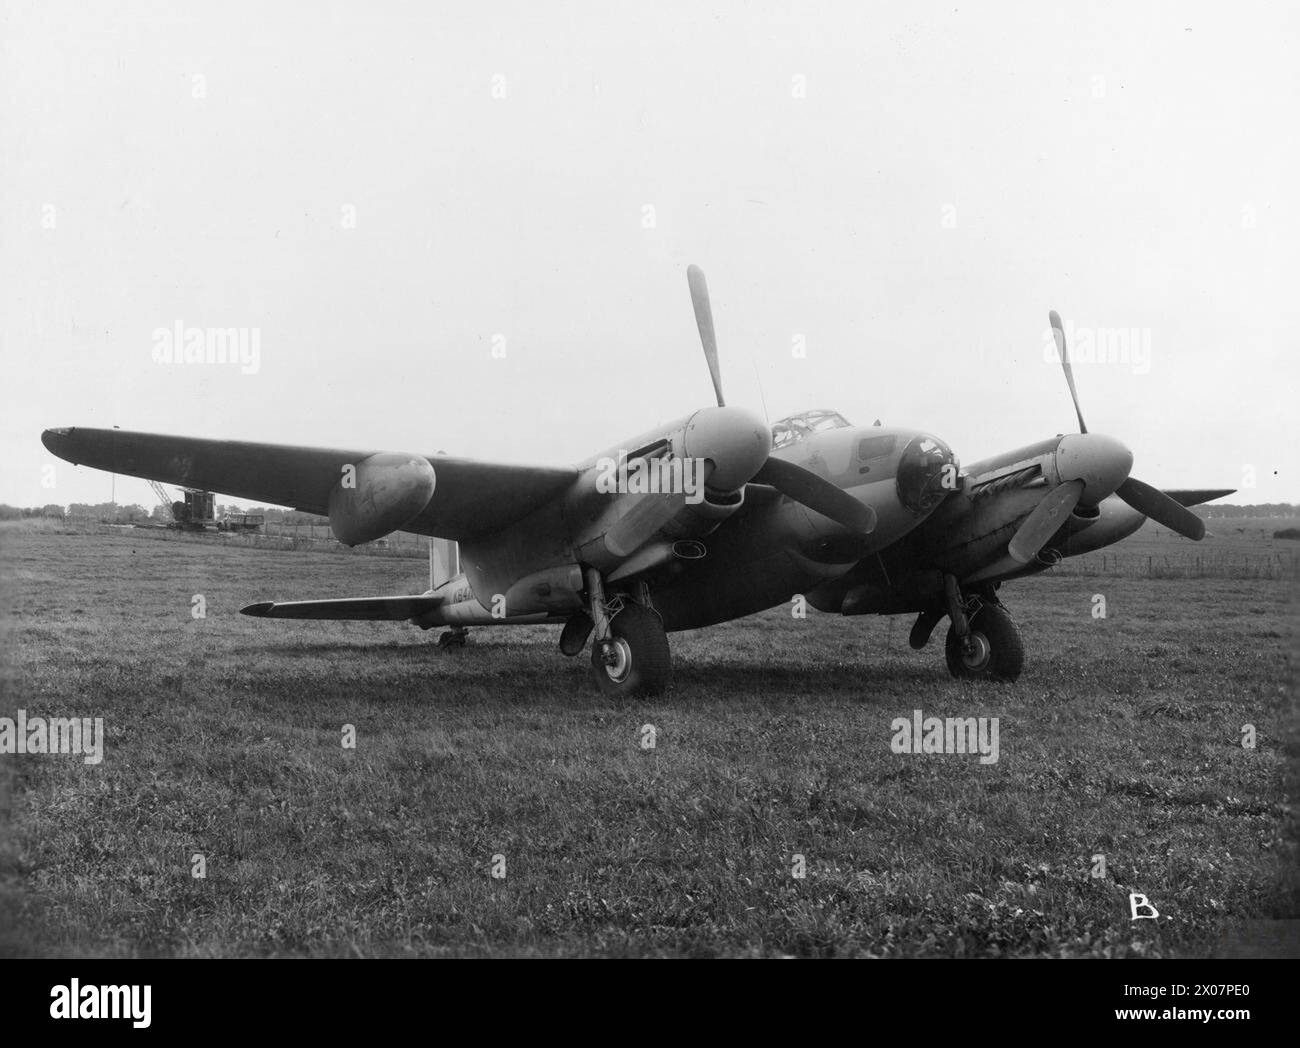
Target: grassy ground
{"x": 1123, "y": 738}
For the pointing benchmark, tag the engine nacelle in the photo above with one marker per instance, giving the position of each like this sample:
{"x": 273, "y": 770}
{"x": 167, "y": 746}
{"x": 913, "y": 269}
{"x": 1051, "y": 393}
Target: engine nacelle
{"x": 378, "y": 495}
{"x": 1115, "y": 520}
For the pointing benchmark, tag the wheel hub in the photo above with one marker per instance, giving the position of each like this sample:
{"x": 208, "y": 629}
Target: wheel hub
{"x": 976, "y": 651}
{"x": 618, "y": 659}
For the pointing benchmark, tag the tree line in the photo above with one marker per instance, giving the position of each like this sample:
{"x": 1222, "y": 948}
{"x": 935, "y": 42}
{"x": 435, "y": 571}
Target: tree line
{"x": 122, "y": 513}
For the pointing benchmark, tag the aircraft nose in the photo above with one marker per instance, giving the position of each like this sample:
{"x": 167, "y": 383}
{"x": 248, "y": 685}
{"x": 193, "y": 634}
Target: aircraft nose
{"x": 927, "y": 473}
{"x": 736, "y": 441}
{"x": 1101, "y": 462}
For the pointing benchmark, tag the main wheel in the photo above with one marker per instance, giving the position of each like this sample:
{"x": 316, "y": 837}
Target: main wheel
{"x": 638, "y": 661}
{"x": 995, "y": 653}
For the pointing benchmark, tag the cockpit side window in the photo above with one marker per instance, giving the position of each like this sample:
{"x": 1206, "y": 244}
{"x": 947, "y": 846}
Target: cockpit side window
{"x": 797, "y": 427}
{"x": 876, "y": 447}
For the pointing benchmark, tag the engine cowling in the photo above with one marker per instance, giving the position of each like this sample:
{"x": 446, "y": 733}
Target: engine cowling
{"x": 378, "y": 495}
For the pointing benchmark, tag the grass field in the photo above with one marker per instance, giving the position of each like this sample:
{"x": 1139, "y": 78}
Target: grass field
{"x": 224, "y": 739}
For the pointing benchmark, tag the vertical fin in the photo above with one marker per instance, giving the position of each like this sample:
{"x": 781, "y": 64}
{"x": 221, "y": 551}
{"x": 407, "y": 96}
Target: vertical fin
{"x": 444, "y": 561}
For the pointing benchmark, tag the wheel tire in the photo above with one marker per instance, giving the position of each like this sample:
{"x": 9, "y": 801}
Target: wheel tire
{"x": 645, "y": 666}
{"x": 996, "y": 631}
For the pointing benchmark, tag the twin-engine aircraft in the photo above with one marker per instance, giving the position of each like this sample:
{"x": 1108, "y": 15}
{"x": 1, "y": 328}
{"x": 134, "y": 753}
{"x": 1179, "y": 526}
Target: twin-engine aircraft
{"x": 709, "y": 517}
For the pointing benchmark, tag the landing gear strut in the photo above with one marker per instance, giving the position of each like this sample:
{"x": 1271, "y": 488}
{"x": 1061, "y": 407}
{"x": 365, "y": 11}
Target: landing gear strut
{"x": 982, "y": 641}
{"x": 630, "y": 653}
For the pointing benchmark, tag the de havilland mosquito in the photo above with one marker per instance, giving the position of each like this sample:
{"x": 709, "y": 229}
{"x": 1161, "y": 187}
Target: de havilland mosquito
{"x": 709, "y": 517}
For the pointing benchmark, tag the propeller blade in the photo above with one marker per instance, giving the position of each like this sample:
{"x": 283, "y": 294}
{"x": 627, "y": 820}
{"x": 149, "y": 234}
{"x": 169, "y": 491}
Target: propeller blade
{"x": 647, "y": 514}
{"x": 704, "y": 320}
{"x": 638, "y": 525}
{"x": 1153, "y": 503}
{"x": 1058, "y": 333}
{"x": 819, "y": 495}
{"x": 1045, "y": 521}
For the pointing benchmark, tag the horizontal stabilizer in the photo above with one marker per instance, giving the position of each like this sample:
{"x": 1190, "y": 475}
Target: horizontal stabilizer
{"x": 389, "y": 609}
{"x": 1196, "y": 496}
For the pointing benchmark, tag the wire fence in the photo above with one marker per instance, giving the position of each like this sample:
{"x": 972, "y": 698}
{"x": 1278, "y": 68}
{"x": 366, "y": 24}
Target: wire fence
{"x": 1186, "y": 564}
{"x": 307, "y": 537}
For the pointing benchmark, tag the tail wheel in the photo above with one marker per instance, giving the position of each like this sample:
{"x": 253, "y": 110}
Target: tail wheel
{"x": 636, "y": 660}
{"x": 995, "y": 651}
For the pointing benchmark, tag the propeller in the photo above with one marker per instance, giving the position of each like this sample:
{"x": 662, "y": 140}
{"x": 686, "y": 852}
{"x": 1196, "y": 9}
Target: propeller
{"x": 1101, "y": 467}
{"x": 802, "y": 485}
{"x": 704, "y": 321}
{"x": 819, "y": 495}
{"x": 1058, "y": 333}
{"x": 1045, "y": 521}
{"x": 649, "y": 513}
{"x": 1153, "y": 503}
{"x": 642, "y": 522}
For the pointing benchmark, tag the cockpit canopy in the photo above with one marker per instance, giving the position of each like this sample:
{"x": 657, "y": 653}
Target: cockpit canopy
{"x": 787, "y": 430}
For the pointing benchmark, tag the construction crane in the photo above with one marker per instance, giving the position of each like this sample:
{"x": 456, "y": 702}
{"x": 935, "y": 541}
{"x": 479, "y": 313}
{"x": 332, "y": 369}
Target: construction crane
{"x": 163, "y": 497}
{"x": 195, "y": 510}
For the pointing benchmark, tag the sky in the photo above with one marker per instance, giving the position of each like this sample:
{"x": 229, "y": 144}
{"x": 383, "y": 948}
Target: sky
{"x": 466, "y": 227}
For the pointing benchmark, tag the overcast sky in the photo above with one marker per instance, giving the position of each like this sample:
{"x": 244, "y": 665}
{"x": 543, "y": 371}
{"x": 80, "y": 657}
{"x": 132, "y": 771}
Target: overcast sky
{"x": 385, "y": 192}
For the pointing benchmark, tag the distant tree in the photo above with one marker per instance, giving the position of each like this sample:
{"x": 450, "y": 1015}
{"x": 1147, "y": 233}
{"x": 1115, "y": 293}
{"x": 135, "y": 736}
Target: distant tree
{"x": 1264, "y": 509}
